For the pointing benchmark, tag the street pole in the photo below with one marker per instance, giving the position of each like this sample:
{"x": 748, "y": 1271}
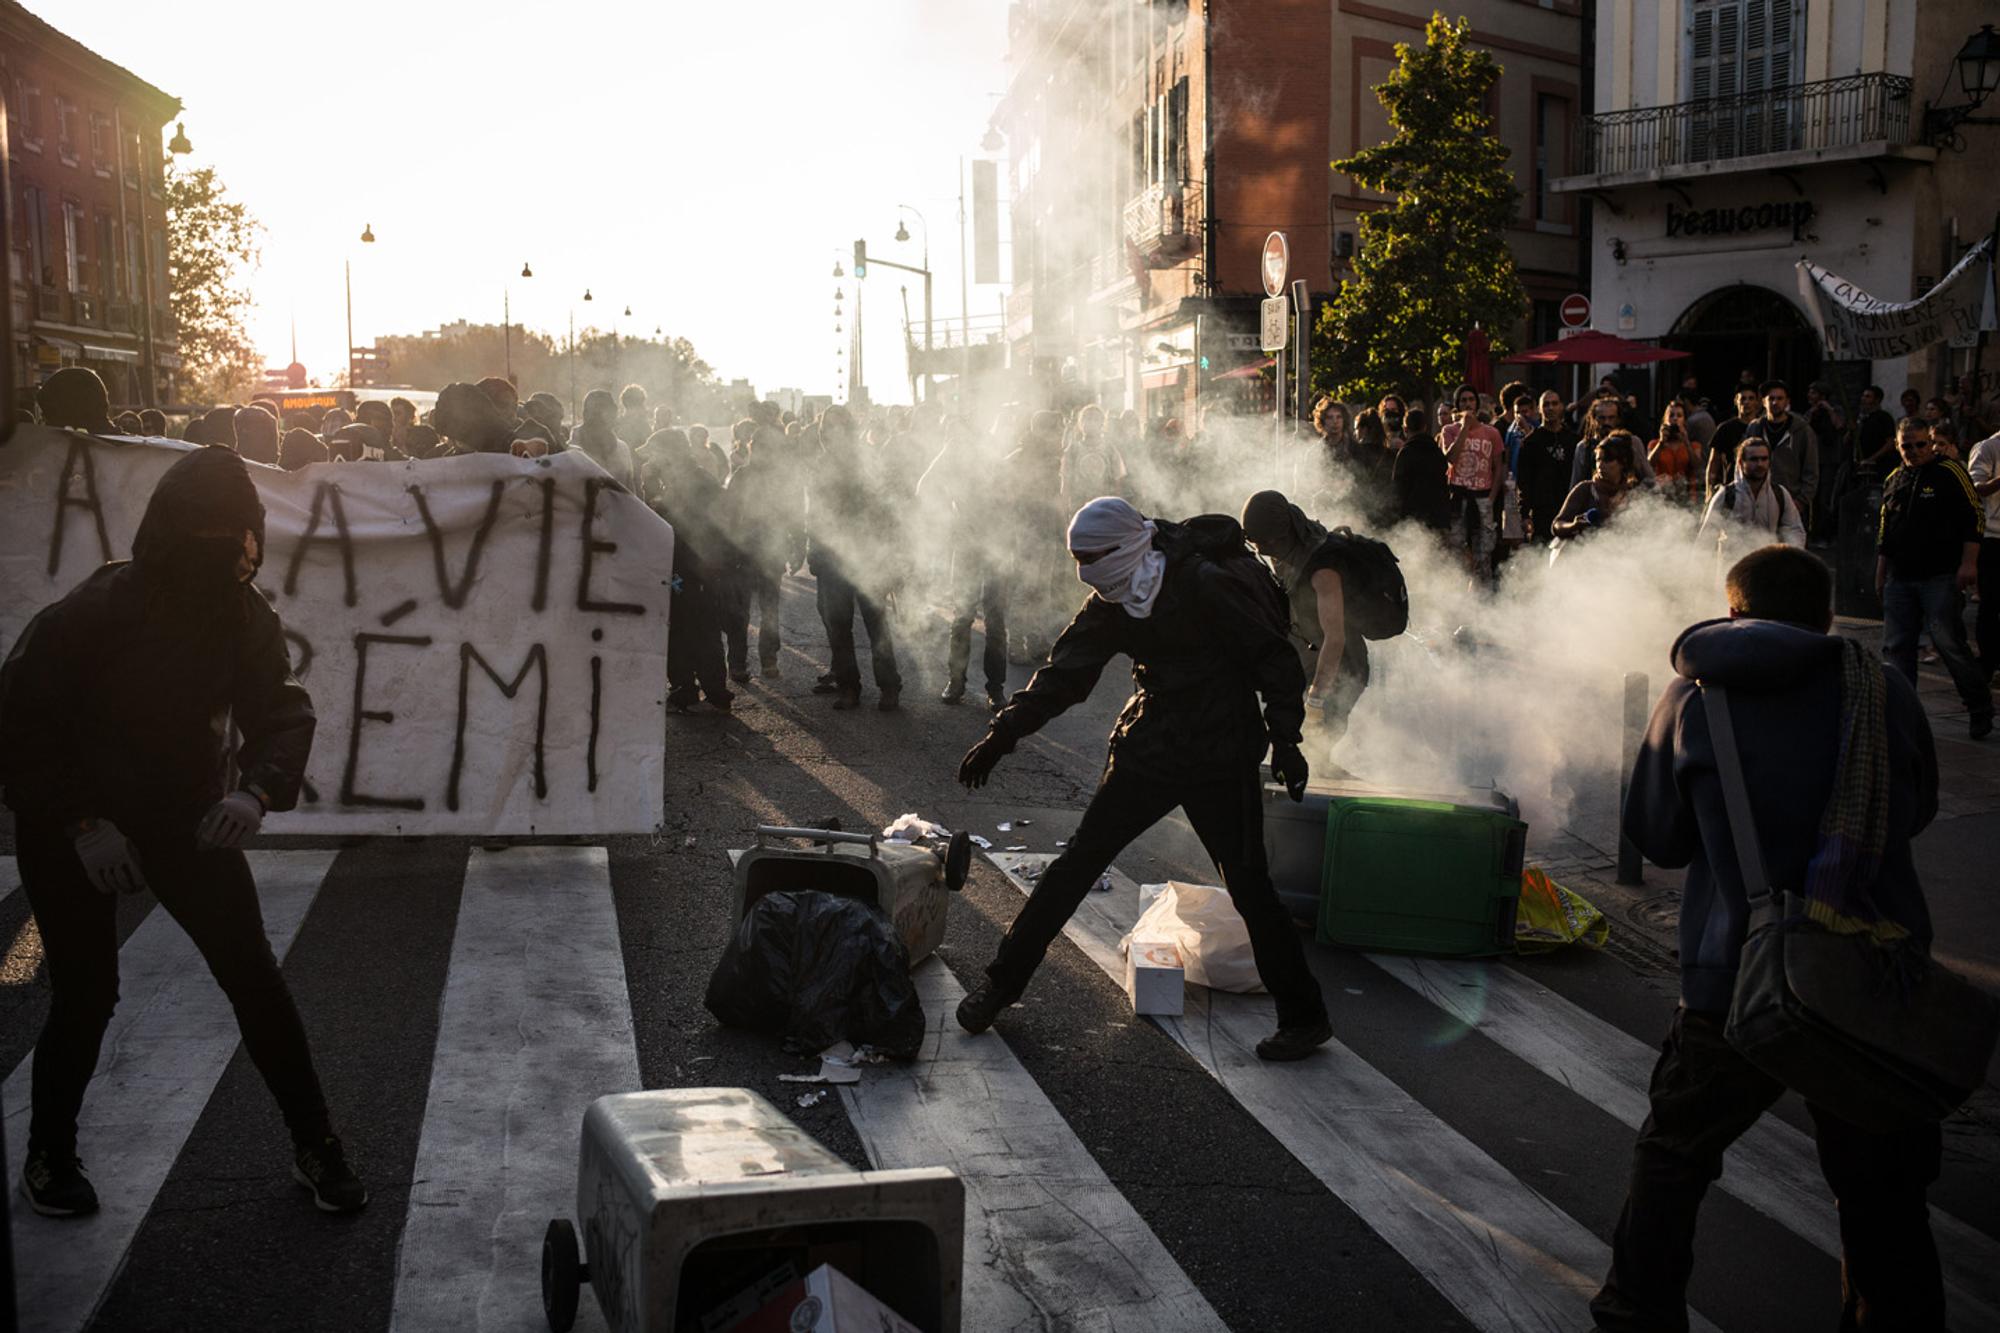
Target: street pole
{"x": 347, "y": 278}
{"x": 929, "y": 392}
{"x": 507, "y": 329}
{"x": 964, "y": 301}
{"x": 572, "y": 366}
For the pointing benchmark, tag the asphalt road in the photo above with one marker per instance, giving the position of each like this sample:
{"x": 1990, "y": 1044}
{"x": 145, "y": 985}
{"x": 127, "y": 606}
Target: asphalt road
{"x": 1222, "y": 1174}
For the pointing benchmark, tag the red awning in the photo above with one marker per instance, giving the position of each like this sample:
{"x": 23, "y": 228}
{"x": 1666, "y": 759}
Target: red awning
{"x": 1592, "y": 348}
{"x": 1163, "y": 379}
{"x": 1248, "y": 372}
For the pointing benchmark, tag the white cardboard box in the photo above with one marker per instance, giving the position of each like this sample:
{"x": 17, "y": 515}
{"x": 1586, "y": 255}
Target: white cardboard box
{"x": 825, "y": 1300}
{"x": 1154, "y": 976}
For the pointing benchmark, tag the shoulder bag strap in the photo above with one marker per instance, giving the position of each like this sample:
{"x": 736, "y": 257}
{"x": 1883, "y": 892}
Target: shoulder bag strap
{"x": 1736, "y": 795}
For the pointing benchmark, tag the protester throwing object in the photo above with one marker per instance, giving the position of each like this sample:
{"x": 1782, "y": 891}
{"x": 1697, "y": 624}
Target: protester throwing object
{"x": 115, "y": 706}
{"x": 1204, "y": 625}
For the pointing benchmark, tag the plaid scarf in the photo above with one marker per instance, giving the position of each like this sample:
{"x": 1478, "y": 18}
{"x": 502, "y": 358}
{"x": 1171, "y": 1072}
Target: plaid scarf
{"x": 1855, "y": 828}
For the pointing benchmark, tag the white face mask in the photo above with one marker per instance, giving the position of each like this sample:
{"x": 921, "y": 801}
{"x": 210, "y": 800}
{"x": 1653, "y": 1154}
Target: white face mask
{"x": 1130, "y": 570}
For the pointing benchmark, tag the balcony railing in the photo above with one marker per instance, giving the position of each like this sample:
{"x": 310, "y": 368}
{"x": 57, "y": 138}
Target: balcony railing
{"x": 1164, "y": 223}
{"x": 1832, "y": 113}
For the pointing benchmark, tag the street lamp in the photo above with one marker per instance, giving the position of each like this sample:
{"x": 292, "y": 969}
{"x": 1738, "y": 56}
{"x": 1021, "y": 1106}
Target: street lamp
{"x": 903, "y": 234}
{"x": 507, "y": 320}
{"x": 149, "y": 367}
{"x": 1978, "y": 66}
{"x": 347, "y": 277}
{"x": 526, "y": 272}
{"x": 179, "y": 145}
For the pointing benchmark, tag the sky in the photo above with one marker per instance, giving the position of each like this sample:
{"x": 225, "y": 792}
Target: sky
{"x": 703, "y": 163}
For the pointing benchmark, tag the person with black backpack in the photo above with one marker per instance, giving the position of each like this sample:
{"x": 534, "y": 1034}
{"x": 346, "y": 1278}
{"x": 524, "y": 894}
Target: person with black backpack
{"x": 1753, "y": 510}
{"x": 1342, "y": 588}
{"x": 1204, "y": 624}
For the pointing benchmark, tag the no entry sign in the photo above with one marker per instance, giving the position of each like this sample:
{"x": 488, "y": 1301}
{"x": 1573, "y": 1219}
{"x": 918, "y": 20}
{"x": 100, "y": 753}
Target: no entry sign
{"x": 1575, "y": 310}
{"x": 1277, "y": 264}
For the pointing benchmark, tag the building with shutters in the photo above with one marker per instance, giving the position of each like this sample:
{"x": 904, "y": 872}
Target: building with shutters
{"x": 1153, "y": 144}
{"x": 1730, "y": 138}
{"x": 87, "y": 273}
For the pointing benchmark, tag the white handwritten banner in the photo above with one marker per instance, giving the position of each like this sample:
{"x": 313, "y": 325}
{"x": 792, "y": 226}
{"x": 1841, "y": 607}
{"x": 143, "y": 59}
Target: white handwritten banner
{"x": 485, "y": 638}
{"x": 1857, "y": 326}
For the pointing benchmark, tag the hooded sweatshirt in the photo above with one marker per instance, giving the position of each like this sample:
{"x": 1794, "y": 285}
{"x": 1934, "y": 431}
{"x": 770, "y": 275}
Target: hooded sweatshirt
{"x": 116, "y": 702}
{"x": 1783, "y": 683}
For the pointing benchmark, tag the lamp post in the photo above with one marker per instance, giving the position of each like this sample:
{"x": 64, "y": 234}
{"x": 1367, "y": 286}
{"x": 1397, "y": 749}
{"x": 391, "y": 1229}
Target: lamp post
{"x": 903, "y": 234}
{"x": 1978, "y": 67}
{"x": 347, "y": 271}
{"x": 149, "y": 369}
{"x": 507, "y": 320}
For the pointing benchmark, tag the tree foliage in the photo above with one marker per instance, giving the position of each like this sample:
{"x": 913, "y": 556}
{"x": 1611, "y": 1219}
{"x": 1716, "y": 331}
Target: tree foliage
{"x": 1434, "y": 261}
{"x": 668, "y": 368}
{"x": 212, "y": 243}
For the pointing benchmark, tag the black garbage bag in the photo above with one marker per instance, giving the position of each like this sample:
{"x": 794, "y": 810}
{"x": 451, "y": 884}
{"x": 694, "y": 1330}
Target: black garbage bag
{"x": 817, "y": 969}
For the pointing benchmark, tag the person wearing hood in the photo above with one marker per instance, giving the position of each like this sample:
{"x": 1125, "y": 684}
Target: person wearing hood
{"x": 597, "y": 437}
{"x": 1204, "y": 626}
{"x": 116, "y": 708}
{"x": 1310, "y": 564}
{"x": 74, "y": 397}
{"x": 1838, "y": 761}
{"x": 674, "y": 485}
{"x": 470, "y": 420}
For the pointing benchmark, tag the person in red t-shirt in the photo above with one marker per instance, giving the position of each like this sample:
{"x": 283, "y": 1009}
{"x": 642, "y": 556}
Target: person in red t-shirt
{"x": 1675, "y": 457}
{"x": 1476, "y": 469}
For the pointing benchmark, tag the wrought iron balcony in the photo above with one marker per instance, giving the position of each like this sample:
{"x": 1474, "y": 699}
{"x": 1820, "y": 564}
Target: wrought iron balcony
{"x": 1832, "y": 113}
{"x": 1164, "y": 223}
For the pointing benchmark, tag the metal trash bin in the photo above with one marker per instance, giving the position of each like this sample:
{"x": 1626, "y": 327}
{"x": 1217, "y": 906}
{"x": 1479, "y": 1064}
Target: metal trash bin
{"x": 689, "y": 1198}
{"x": 908, "y": 883}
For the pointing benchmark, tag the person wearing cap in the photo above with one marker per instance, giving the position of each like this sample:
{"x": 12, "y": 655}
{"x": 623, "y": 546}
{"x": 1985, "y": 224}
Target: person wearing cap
{"x": 118, "y": 705}
{"x": 1205, "y": 628}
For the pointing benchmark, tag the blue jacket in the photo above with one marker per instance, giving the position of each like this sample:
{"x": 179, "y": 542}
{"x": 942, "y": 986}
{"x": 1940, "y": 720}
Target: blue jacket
{"x": 1784, "y": 691}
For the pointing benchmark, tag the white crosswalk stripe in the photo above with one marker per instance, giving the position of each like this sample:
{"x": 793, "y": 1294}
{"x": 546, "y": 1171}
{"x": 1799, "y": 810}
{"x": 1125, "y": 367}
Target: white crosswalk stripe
{"x": 1774, "y": 1168}
{"x": 536, "y": 1024}
{"x": 1505, "y": 1256}
{"x": 171, "y": 1038}
{"x": 1049, "y": 1240}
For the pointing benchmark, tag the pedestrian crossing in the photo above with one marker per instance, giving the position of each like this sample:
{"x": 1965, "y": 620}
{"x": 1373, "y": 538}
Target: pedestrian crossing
{"x": 537, "y": 1018}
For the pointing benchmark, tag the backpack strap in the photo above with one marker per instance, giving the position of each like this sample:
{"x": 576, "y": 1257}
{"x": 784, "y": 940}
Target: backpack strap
{"x": 1736, "y": 796}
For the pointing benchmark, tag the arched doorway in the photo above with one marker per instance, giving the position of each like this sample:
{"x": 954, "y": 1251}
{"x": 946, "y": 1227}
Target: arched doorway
{"x": 1745, "y": 327}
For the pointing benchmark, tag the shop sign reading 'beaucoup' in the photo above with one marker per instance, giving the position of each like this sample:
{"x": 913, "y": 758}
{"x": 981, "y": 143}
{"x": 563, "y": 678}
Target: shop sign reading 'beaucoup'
{"x": 1795, "y": 214}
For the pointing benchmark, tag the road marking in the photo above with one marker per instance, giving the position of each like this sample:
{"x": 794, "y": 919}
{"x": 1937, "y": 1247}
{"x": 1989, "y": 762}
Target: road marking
{"x": 535, "y": 1024}
{"x": 1049, "y": 1240}
{"x": 1774, "y": 1168}
{"x": 169, "y": 1041}
{"x": 1506, "y": 1257}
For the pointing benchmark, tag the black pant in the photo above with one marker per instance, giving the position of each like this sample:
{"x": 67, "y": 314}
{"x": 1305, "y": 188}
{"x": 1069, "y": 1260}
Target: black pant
{"x": 735, "y": 594}
{"x": 694, "y": 644}
{"x": 213, "y": 898}
{"x": 840, "y": 599}
{"x": 1704, "y": 1097}
{"x": 1228, "y": 817}
{"x": 1987, "y": 626}
{"x": 979, "y": 586}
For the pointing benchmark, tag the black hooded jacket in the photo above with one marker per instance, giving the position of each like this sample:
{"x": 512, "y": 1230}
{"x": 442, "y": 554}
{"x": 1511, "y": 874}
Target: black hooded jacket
{"x": 117, "y": 701}
{"x": 1215, "y": 641}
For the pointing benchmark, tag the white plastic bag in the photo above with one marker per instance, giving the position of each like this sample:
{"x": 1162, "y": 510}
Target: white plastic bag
{"x": 1214, "y": 942}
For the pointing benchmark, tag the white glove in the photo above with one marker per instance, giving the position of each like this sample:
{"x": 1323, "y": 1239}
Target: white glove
{"x": 108, "y": 860}
{"x": 231, "y": 820}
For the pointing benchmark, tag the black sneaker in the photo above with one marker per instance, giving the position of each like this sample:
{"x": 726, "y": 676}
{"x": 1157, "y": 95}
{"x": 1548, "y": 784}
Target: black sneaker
{"x": 825, "y": 687}
{"x": 741, "y": 675}
{"x": 323, "y": 1169}
{"x": 890, "y": 701}
{"x": 954, "y": 693}
{"x": 771, "y": 671}
{"x": 982, "y": 1004}
{"x": 996, "y": 699}
{"x": 1982, "y": 726}
{"x": 55, "y": 1185}
{"x": 1295, "y": 1043}
{"x": 847, "y": 702}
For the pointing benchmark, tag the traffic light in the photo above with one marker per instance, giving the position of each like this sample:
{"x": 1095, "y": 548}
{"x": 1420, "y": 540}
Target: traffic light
{"x": 861, "y": 259}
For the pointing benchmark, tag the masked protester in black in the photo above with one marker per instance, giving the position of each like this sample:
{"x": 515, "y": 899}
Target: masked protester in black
{"x": 679, "y": 491}
{"x": 1310, "y": 566}
{"x": 115, "y": 708}
{"x": 1204, "y": 626}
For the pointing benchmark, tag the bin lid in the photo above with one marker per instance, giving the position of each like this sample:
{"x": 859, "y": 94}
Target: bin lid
{"x": 708, "y": 1136}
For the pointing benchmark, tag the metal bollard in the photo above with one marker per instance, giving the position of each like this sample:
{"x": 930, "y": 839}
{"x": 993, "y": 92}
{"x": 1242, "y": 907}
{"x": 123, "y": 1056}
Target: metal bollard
{"x": 1638, "y": 691}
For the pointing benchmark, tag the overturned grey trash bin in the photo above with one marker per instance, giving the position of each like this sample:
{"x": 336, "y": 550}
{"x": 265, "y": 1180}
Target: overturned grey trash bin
{"x": 689, "y": 1197}
{"x": 907, "y": 883}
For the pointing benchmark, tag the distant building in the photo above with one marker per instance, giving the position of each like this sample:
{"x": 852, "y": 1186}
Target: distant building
{"x": 1153, "y": 146}
{"x": 88, "y": 271}
{"x": 1731, "y": 137}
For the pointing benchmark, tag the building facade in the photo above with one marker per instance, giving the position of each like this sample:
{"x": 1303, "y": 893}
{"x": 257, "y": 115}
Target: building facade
{"x": 1154, "y": 146}
{"x": 1731, "y": 138}
{"x": 87, "y": 272}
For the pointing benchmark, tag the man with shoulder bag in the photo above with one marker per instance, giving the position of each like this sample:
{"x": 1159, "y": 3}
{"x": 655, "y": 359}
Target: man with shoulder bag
{"x": 1788, "y": 770}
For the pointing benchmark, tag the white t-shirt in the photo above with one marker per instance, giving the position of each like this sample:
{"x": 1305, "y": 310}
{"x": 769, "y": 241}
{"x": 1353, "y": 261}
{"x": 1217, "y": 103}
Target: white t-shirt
{"x": 1984, "y": 465}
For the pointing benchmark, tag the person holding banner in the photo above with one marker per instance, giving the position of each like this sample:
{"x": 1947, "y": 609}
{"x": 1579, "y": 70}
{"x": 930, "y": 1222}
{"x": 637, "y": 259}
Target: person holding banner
{"x": 116, "y": 704}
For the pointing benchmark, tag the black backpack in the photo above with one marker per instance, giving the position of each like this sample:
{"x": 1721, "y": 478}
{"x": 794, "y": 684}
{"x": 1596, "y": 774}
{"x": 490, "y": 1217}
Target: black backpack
{"x": 1371, "y": 584}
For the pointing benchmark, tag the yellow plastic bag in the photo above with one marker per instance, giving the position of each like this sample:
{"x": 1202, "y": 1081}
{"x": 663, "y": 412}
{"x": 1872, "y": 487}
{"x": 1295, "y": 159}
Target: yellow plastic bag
{"x": 1551, "y": 916}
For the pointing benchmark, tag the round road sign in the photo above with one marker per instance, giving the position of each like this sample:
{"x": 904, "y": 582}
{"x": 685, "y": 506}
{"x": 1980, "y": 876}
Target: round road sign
{"x": 1575, "y": 310}
{"x": 1277, "y": 263}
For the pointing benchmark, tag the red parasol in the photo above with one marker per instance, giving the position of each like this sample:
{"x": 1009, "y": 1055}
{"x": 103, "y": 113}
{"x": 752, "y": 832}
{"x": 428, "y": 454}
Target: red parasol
{"x": 1479, "y": 360}
{"x": 1592, "y": 348}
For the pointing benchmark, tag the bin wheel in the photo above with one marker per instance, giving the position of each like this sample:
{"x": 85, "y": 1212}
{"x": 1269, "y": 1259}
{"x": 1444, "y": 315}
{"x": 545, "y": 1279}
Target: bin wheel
{"x": 957, "y": 860}
{"x": 562, "y": 1275}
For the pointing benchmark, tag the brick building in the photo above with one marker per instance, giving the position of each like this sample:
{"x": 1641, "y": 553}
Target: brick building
{"x": 1153, "y": 146}
{"x": 88, "y": 268}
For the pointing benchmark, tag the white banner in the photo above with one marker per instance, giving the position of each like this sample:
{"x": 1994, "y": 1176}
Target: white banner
{"x": 484, "y": 638}
{"x": 1855, "y": 326}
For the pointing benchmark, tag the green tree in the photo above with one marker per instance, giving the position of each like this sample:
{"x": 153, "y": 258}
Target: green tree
{"x": 1434, "y": 261}
{"x": 212, "y": 243}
